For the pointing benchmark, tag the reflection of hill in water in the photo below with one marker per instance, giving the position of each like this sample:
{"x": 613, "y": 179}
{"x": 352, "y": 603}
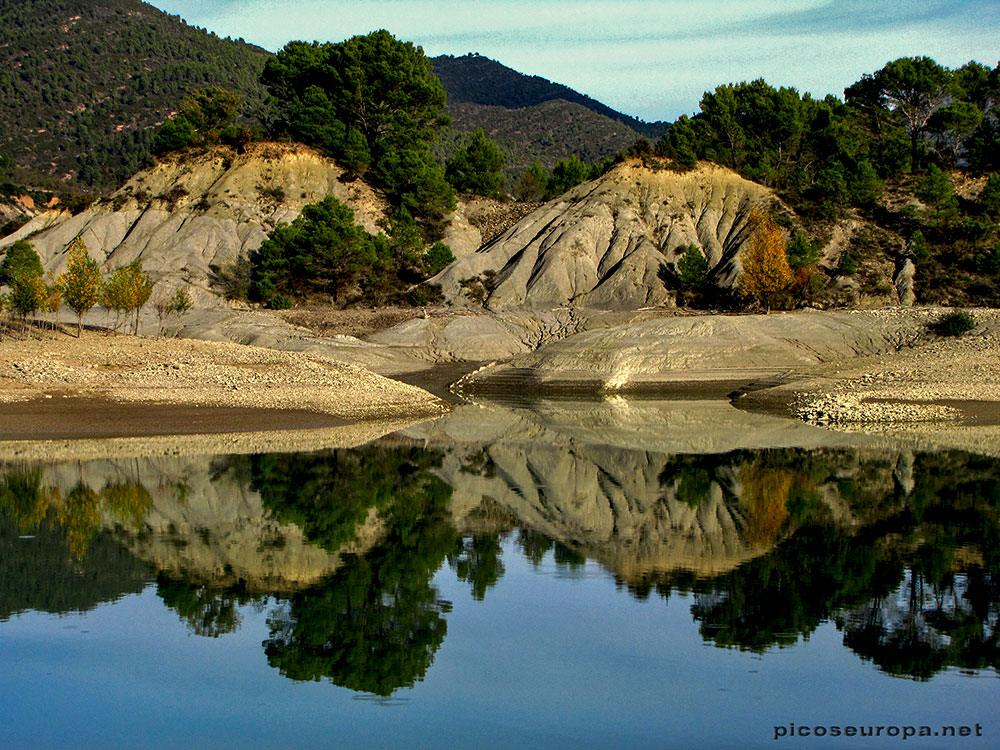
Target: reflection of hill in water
{"x": 622, "y": 482}
{"x": 205, "y": 522}
{"x": 901, "y": 550}
{"x": 602, "y": 478}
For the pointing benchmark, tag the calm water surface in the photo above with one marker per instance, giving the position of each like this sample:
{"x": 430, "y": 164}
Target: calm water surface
{"x": 624, "y": 574}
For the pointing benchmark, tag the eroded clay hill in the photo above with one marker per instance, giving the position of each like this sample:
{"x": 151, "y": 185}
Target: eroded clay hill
{"x": 604, "y": 243}
{"x": 193, "y": 211}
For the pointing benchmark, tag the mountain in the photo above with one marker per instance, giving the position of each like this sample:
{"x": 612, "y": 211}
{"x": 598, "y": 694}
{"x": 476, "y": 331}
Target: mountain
{"x": 549, "y": 132}
{"x": 530, "y": 118}
{"x": 604, "y": 243}
{"x": 83, "y": 82}
{"x": 474, "y": 79}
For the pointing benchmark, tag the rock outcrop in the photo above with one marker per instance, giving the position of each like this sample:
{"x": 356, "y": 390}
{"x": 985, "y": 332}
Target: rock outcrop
{"x": 192, "y": 211}
{"x": 698, "y": 348}
{"x": 605, "y": 243}
{"x": 903, "y": 281}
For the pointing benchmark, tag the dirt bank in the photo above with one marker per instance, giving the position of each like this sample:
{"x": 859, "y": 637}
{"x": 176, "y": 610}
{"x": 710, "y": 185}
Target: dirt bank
{"x": 936, "y": 391}
{"x": 77, "y": 387}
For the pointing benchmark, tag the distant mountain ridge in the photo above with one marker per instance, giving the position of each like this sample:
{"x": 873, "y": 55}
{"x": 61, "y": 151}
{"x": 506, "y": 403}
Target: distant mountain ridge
{"x": 548, "y": 132}
{"x": 85, "y": 83}
{"x": 476, "y": 79}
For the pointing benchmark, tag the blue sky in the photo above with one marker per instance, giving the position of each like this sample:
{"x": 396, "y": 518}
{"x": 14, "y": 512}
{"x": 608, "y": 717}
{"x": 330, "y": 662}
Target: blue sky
{"x": 646, "y": 58}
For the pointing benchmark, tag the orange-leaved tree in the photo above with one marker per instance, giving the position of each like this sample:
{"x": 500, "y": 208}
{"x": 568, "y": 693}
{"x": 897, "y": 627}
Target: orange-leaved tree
{"x": 766, "y": 276}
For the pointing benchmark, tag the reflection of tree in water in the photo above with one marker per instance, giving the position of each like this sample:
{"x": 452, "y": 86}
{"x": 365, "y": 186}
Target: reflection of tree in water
{"x": 478, "y": 560}
{"x": 901, "y": 553}
{"x": 53, "y": 558}
{"x": 208, "y": 611}
{"x": 946, "y": 611}
{"x": 533, "y": 545}
{"x": 691, "y": 477}
{"x": 329, "y": 494}
{"x": 376, "y": 624}
{"x": 774, "y": 599}
{"x": 915, "y": 589}
{"x": 922, "y": 628}
{"x": 27, "y": 502}
{"x": 768, "y": 492}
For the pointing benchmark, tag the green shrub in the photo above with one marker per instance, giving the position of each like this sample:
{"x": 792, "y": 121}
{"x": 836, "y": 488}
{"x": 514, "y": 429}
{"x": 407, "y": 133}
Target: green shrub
{"x": 919, "y": 249}
{"x": 279, "y": 302}
{"x": 954, "y": 323}
{"x": 801, "y": 252}
{"x": 19, "y": 259}
{"x": 847, "y": 265}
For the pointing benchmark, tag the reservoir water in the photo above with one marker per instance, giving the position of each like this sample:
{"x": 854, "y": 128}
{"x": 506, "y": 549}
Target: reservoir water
{"x": 640, "y": 574}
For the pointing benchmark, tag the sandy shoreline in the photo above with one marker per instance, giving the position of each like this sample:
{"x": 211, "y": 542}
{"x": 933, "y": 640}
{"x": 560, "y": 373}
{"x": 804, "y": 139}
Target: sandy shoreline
{"x": 941, "y": 392}
{"x": 73, "y": 417}
{"x": 99, "y": 388}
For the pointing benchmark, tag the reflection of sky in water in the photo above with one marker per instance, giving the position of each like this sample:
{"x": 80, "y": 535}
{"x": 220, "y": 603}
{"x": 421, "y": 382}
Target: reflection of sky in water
{"x": 652, "y": 59}
{"x": 543, "y": 661}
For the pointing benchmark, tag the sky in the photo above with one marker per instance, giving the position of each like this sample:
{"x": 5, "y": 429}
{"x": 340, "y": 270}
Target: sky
{"x": 647, "y": 58}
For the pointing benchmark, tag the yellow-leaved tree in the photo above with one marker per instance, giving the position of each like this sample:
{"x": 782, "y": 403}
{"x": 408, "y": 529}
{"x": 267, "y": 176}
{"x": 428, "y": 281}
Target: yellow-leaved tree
{"x": 766, "y": 276}
{"x": 126, "y": 292}
{"x": 80, "y": 282}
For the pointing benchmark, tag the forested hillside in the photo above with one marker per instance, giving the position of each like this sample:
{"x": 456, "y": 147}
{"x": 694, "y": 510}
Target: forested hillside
{"x": 82, "y": 82}
{"x": 547, "y": 132}
{"x": 474, "y": 79}
{"x": 903, "y": 169}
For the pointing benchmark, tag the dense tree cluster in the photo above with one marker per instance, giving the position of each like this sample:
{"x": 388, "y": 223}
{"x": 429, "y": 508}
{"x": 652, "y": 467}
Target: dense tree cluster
{"x": 908, "y": 126}
{"x": 325, "y": 252}
{"x": 830, "y": 153}
{"x": 374, "y": 104}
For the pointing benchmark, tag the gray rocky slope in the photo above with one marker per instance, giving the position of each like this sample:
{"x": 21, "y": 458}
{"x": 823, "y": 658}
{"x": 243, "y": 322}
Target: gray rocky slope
{"x": 657, "y": 349}
{"x": 605, "y": 243}
{"x": 195, "y": 210}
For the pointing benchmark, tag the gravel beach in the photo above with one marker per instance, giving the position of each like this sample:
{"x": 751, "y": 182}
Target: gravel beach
{"x": 53, "y": 386}
{"x": 937, "y": 391}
